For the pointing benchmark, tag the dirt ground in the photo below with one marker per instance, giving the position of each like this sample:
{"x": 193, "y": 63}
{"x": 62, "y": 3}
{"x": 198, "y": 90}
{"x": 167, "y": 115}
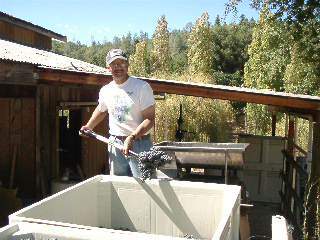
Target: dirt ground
{"x": 260, "y": 217}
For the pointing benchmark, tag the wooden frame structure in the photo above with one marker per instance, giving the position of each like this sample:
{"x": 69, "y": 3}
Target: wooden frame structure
{"x": 291, "y": 104}
{"x": 44, "y": 76}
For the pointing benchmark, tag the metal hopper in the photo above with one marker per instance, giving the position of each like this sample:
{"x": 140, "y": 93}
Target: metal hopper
{"x": 206, "y": 155}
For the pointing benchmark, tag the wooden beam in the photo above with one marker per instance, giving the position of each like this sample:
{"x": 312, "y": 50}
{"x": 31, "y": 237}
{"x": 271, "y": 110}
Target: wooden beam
{"x": 298, "y": 112}
{"x": 21, "y": 91}
{"x": 53, "y": 76}
{"x": 233, "y": 94}
{"x": 77, "y": 104}
{"x": 291, "y": 101}
{"x": 17, "y": 73}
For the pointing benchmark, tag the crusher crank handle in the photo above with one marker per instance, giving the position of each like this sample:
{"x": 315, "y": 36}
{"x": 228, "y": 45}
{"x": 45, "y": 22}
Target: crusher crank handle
{"x": 92, "y": 134}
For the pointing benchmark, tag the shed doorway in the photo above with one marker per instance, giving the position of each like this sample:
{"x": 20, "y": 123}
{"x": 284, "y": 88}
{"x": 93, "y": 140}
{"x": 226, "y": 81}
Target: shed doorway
{"x": 70, "y": 145}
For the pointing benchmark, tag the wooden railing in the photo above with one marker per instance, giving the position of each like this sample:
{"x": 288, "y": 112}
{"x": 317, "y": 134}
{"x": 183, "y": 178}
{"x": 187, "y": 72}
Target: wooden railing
{"x": 292, "y": 198}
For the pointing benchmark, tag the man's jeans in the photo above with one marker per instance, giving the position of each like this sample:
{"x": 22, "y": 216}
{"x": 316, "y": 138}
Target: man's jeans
{"x": 122, "y": 166}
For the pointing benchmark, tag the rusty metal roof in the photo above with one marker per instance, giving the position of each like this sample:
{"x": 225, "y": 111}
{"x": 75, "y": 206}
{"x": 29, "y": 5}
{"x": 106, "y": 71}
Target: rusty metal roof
{"x": 19, "y": 53}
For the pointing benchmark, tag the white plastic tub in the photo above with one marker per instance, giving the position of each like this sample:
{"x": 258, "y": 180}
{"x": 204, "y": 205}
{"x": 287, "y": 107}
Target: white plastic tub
{"x": 156, "y": 209}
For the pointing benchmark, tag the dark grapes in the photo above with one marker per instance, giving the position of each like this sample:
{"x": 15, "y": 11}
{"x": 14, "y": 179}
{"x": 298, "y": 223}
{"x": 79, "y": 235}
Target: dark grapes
{"x": 149, "y": 161}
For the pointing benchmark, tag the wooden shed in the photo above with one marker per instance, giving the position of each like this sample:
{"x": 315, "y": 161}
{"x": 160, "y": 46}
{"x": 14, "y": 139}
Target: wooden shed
{"x": 39, "y": 138}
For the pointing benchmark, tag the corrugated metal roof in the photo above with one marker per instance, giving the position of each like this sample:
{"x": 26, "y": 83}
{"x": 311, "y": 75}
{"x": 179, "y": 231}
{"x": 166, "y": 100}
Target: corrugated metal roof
{"x": 19, "y": 53}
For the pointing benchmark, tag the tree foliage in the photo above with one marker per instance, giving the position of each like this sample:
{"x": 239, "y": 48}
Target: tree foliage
{"x": 178, "y": 51}
{"x": 230, "y": 43}
{"x": 160, "y": 55}
{"x": 204, "y": 120}
{"x": 200, "y": 47}
{"x": 269, "y": 54}
{"x": 299, "y": 22}
{"x": 292, "y": 11}
{"x": 302, "y": 75}
{"x": 139, "y": 61}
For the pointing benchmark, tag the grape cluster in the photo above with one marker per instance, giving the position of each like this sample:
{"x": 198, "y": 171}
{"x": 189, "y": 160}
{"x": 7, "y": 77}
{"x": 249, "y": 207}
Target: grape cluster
{"x": 148, "y": 161}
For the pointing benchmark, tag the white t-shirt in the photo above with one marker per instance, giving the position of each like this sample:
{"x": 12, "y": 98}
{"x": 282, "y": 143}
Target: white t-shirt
{"x": 124, "y": 103}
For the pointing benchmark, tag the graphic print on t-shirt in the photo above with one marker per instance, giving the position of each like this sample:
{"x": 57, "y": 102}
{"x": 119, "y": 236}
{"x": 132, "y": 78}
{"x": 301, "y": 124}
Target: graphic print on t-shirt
{"x": 122, "y": 108}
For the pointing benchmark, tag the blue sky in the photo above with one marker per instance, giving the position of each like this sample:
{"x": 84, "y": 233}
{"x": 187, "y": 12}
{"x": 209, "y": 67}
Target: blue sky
{"x": 101, "y": 20}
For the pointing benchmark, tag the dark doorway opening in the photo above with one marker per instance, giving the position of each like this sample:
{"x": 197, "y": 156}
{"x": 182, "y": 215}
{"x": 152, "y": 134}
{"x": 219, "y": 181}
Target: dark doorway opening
{"x": 69, "y": 144}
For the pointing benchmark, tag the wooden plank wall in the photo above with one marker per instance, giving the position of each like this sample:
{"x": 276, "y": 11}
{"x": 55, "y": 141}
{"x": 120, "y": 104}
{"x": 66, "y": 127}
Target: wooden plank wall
{"x": 47, "y": 148}
{"x": 17, "y": 141}
{"x": 15, "y": 74}
{"x": 36, "y": 114}
{"x": 94, "y": 158}
{"x": 94, "y": 153}
{"x": 24, "y": 36}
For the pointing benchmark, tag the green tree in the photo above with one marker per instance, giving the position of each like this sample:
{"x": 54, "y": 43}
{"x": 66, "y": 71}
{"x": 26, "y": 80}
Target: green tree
{"x": 292, "y": 11}
{"x": 139, "y": 61}
{"x": 230, "y": 43}
{"x": 302, "y": 76}
{"x": 178, "y": 51}
{"x": 200, "y": 47}
{"x": 303, "y": 73}
{"x": 269, "y": 54}
{"x": 160, "y": 55}
{"x": 127, "y": 44}
{"x": 206, "y": 120}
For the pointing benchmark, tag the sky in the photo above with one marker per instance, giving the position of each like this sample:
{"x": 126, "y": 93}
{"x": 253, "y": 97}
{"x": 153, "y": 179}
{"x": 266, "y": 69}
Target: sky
{"x": 102, "y": 20}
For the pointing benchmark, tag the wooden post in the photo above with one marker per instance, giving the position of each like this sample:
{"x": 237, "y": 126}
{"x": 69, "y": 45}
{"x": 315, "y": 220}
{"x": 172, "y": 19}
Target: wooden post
{"x": 291, "y": 135}
{"x": 310, "y": 143}
{"x": 273, "y": 124}
{"x": 13, "y": 166}
{"x": 315, "y": 165}
{"x": 38, "y": 142}
{"x": 288, "y": 167}
{"x": 313, "y": 184}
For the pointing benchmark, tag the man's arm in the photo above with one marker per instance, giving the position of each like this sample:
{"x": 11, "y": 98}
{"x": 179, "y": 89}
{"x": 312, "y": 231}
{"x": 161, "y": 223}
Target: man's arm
{"x": 94, "y": 120}
{"x": 148, "y": 121}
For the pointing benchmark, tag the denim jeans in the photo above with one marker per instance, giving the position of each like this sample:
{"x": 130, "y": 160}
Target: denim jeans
{"x": 126, "y": 166}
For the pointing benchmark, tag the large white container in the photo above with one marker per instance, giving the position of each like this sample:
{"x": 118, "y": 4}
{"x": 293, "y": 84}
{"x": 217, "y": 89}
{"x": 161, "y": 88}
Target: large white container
{"x": 155, "y": 209}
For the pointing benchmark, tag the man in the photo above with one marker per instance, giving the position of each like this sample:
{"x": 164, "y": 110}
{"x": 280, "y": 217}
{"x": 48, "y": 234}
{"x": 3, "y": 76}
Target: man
{"x": 131, "y": 107}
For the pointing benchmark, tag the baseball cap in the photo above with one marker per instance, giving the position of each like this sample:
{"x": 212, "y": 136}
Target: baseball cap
{"x": 114, "y": 54}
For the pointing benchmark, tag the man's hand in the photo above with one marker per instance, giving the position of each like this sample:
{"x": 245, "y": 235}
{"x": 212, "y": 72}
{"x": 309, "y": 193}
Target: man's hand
{"x": 127, "y": 145}
{"x": 94, "y": 120}
{"x": 85, "y": 127}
